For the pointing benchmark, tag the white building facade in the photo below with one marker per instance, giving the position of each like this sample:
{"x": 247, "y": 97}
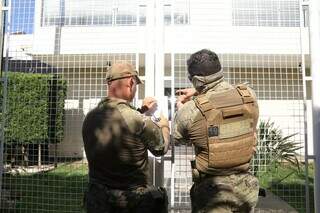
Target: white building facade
{"x": 262, "y": 42}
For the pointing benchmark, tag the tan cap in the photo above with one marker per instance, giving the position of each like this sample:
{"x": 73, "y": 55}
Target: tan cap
{"x": 122, "y": 70}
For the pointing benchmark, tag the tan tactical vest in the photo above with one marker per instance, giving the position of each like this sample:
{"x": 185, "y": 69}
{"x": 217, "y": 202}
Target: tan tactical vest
{"x": 230, "y": 121}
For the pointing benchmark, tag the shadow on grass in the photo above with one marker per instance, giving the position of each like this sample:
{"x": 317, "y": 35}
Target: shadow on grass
{"x": 59, "y": 190}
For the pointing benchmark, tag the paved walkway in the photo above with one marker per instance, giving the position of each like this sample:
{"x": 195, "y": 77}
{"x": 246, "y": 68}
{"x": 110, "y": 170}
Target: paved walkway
{"x": 272, "y": 203}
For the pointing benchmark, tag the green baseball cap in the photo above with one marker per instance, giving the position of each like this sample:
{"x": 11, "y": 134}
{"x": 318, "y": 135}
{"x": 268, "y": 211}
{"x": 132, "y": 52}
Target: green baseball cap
{"x": 121, "y": 70}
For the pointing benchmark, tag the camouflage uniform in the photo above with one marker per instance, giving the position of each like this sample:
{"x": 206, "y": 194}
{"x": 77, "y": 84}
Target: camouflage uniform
{"x": 117, "y": 139}
{"x": 227, "y": 193}
{"x": 215, "y": 189}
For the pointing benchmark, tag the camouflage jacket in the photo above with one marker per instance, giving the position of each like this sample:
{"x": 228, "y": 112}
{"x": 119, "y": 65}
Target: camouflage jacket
{"x": 116, "y": 140}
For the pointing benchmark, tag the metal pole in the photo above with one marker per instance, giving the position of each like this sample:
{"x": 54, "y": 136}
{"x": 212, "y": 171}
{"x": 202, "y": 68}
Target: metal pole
{"x": 1, "y": 127}
{"x": 1, "y": 35}
{"x": 306, "y": 139}
{"x": 150, "y": 50}
{"x": 4, "y": 25}
{"x": 315, "y": 69}
{"x": 159, "y": 51}
{"x": 173, "y": 100}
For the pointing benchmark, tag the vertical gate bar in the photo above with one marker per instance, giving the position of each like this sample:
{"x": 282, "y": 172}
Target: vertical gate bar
{"x": 315, "y": 72}
{"x": 172, "y": 125}
{"x": 2, "y": 84}
{"x": 173, "y": 168}
{"x": 303, "y": 70}
{"x": 1, "y": 33}
{"x": 150, "y": 50}
{"x": 159, "y": 62}
{"x": 5, "y": 28}
{"x": 159, "y": 50}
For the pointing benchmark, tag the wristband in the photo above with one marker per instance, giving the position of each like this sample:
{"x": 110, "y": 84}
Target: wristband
{"x": 143, "y": 109}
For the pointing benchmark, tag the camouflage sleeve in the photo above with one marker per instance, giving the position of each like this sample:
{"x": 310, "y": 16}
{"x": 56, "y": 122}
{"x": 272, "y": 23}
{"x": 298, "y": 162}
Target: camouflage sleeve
{"x": 152, "y": 137}
{"x": 181, "y": 121}
{"x": 149, "y": 133}
{"x": 133, "y": 118}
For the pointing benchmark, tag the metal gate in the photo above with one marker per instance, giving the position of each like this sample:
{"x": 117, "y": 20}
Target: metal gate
{"x": 55, "y": 56}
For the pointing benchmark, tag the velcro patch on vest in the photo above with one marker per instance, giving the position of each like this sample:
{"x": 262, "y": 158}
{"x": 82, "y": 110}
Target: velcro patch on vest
{"x": 234, "y": 129}
{"x": 213, "y": 131}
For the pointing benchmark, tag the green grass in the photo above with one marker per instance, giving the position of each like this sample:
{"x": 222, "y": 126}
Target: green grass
{"x": 59, "y": 190}
{"x": 289, "y": 184}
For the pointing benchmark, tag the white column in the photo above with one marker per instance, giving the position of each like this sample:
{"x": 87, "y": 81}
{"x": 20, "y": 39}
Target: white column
{"x": 159, "y": 51}
{"x": 150, "y": 49}
{"x": 315, "y": 69}
{"x": 155, "y": 49}
{"x": 37, "y": 15}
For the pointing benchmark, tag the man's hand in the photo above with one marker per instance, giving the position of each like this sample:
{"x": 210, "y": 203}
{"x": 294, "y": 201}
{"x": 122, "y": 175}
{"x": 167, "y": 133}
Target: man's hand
{"x": 185, "y": 95}
{"x": 151, "y": 104}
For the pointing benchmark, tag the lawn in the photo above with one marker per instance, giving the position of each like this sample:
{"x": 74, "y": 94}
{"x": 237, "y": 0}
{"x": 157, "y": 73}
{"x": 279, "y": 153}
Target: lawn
{"x": 289, "y": 184}
{"x": 61, "y": 190}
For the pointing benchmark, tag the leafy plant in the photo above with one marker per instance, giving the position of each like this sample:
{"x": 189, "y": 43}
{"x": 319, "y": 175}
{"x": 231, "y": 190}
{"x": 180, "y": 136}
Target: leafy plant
{"x": 274, "y": 148}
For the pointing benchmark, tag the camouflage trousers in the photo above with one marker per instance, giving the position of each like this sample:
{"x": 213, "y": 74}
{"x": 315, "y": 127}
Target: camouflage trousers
{"x": 225, "y": 194}
{"x": 100, "y": 199}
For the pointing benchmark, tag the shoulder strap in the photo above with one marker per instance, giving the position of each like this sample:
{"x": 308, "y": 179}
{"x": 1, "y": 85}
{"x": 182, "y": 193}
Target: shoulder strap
{"x": 244, "y": 93}
{"x": 205, "y": 106}
{"x": 203, "y": 103}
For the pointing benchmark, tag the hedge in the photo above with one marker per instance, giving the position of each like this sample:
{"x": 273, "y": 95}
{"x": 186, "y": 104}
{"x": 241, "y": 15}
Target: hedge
{"x": 35, "y": 108}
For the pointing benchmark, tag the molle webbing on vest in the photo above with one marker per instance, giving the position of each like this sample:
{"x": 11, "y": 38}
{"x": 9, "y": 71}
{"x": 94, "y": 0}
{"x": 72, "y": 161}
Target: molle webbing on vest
{"x": 230, "y": 131}
{"x": 245, "y": 94}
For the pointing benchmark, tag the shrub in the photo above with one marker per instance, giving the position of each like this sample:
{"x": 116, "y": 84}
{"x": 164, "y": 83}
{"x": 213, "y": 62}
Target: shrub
{"x": 35, "y": 108}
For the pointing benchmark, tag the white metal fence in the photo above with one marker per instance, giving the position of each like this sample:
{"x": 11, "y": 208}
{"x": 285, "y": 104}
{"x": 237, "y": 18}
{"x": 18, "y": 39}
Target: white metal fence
{"x": 264, "y": 43}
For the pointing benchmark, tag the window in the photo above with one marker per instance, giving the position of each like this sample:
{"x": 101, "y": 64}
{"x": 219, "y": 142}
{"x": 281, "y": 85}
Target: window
{"x": 93, "y": 12}
{"x": 50, "y": 12}
{"x": 142, "y": 14}
{"x": 22, "y": 16}
{"x": 181, "y": 12}
{"x": 102, "y": 12}
{"x": 266, "y": 13}
{"x": 167, "y": 14}
{"x": 126, "y": 12}
{"x": 305, "y": 10}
